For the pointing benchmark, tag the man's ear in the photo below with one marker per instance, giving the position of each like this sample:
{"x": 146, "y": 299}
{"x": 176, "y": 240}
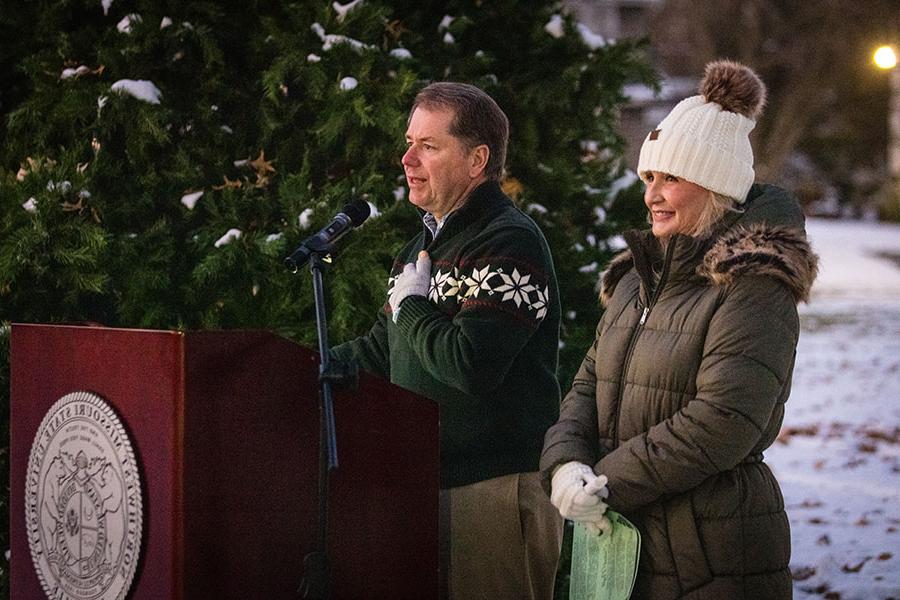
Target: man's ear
{"x": 478, "y": 160}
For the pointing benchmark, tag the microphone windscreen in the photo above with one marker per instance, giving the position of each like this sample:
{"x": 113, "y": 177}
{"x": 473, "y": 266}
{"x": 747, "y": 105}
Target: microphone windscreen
{"x": 358, "y": 211}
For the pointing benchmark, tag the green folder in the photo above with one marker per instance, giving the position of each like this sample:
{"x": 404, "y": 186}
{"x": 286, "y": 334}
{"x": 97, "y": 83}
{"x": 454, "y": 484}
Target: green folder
{"x": 604, "y": 567}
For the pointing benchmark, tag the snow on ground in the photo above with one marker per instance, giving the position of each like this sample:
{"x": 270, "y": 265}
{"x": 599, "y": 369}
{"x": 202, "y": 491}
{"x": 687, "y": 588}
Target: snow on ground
{"x": 838, "y": 455}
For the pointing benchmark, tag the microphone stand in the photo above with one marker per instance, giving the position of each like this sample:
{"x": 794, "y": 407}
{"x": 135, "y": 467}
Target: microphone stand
{"x": 316, "y": 581}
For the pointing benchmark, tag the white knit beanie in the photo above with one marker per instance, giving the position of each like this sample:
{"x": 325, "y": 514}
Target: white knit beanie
{"x": 706, "y": 138}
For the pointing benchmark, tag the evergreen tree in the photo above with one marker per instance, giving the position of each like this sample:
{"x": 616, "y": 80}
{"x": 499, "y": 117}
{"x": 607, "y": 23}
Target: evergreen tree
{"x": 161, "y": 158}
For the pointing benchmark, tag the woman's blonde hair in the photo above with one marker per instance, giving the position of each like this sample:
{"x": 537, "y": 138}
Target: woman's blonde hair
{"x": 712, "y": 213}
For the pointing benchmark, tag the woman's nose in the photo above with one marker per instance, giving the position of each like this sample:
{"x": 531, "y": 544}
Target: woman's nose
{"x": 651, "y": 194}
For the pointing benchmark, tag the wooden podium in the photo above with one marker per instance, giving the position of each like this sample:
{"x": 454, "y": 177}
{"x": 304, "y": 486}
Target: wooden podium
{"x": 224, "y": 427}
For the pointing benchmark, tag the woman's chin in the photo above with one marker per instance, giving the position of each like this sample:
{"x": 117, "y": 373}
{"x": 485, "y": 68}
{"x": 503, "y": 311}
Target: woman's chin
{"x": 663, "y": 230}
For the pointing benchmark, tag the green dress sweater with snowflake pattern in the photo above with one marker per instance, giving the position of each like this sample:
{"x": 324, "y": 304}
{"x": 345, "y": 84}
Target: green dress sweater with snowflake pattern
{"x": 484, "y": 343}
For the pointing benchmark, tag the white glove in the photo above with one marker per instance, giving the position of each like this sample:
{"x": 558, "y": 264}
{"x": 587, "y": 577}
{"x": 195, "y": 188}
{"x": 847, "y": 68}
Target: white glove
{"x": 600, "y": 527}
{"x": 413, "y": 281}
{"x": 577, "y": 493}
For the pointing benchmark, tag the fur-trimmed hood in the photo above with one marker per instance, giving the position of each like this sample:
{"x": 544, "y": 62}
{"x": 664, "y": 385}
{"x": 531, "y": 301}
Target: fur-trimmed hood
{"x": 778, "y": 252}
{"x": 752, "y": 248}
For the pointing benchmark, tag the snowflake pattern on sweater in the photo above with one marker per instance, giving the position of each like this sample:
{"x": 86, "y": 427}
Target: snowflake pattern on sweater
{"x": 517, "y": 288}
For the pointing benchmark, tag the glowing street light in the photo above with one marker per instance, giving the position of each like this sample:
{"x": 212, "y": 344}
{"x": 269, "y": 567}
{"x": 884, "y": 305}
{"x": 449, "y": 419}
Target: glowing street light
{"x": 885, "y": 57}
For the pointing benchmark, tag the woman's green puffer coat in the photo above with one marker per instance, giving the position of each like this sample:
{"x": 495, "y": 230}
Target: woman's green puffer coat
{"x": 683, "y": 389}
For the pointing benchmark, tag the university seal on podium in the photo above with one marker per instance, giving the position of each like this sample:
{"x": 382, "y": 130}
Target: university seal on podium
{"x": 83, "y": 506}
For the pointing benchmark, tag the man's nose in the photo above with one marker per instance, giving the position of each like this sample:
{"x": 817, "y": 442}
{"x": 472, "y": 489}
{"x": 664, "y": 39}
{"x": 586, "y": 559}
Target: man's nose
{"x": 409, "y": 157}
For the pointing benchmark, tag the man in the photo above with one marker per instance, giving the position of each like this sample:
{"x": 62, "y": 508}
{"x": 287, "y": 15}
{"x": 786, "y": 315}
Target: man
{"x": 472, "y": 322}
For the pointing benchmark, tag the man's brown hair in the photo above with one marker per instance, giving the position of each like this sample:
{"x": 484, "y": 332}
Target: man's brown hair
{"x": 477, "y": 119}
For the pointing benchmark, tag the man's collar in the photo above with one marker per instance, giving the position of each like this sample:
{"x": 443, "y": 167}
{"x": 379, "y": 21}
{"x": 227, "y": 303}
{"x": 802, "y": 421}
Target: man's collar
{"x": 432, "y": 223}
{"x": 483, "y": 196}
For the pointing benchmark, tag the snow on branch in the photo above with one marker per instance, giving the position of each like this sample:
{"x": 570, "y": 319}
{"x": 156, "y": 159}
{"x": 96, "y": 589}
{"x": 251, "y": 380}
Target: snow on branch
{"x": 592, "y": 40}
{"x": 67, "y": 73}
{"x": 555, "y": 26}
{"x": 230, "y": 236}
{"x": 330, "y": 40}
{"x": 343, "y": 9}
{"x": 138, "y": 88}
{"x": 127, "y": 22}
{"x": 401, "y": 53}
{"x": 190, "y": 200}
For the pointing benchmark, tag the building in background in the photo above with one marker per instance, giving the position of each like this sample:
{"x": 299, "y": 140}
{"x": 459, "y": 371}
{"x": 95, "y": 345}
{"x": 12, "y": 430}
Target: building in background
{"x": 616, "y": 19}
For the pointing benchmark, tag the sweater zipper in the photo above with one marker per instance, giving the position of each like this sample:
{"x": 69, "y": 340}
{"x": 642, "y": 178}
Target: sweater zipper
{"x": 632, "y": 342}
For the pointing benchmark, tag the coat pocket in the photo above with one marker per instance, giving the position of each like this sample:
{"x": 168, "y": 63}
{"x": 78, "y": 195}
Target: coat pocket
{"x": 687, "y": 549}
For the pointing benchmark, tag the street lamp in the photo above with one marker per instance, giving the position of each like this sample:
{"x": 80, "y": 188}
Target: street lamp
{"x": 885, "y": 57}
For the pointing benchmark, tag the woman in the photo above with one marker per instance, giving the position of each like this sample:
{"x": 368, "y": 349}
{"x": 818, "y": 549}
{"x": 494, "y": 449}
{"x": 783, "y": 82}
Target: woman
{"x": 685, "y": 384}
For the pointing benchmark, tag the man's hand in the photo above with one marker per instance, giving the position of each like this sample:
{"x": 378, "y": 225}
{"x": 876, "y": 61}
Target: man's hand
{"x": 413, "y": 281}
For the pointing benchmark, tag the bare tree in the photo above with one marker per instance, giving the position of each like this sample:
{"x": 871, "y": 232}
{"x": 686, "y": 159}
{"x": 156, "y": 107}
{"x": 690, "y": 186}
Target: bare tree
{"x": 812, "y": 54}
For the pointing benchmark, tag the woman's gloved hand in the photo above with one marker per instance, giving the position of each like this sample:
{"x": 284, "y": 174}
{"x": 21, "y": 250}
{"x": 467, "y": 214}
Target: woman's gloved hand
{"x": 577, "y": 493}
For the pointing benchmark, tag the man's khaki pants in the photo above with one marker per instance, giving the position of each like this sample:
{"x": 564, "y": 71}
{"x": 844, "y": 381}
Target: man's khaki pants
{"x": 504, "y": 541}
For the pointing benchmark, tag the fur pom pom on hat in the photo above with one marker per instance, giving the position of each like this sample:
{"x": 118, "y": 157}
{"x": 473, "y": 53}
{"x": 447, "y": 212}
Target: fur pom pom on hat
{"x": 706, "y": 138}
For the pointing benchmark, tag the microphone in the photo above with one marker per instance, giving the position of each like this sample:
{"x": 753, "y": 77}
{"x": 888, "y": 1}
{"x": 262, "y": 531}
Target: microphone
{"x": 352, "y": 215}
